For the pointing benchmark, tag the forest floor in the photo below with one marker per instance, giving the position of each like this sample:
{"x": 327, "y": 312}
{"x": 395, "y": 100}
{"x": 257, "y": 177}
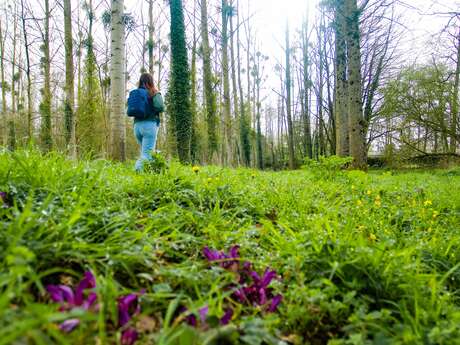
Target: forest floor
{"x": 323, "y": 257}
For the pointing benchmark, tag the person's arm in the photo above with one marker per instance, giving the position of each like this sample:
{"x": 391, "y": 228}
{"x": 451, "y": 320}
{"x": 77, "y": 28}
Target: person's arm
{"x": 158, "y": 104}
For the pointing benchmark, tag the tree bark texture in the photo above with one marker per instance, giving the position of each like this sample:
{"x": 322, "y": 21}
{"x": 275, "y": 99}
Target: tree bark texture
{"x": 117, "y": 78}
{"x": 355, "y": 107}
{"x": 69, "y": 107}
{"x": 211, "y": 107}
{"x": 288, "y": 102}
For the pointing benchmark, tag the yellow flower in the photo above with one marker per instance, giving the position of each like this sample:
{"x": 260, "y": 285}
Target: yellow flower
{"x": 428, "y": 203}
{"x": 435, "y": 214}
{"x": 195, "y": 169}
{"x": 369, "y": 192}
{"x": 361, "y": 227}
{"x": 359, "y": 203}
{"x": 352, "y": 186}
{"x": 209, "y": 179}
{"x": 378, "y": 202}
{"x": 372, "y": 237}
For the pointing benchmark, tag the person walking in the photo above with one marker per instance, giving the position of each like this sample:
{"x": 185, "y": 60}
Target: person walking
{"x": 145, "y": 104}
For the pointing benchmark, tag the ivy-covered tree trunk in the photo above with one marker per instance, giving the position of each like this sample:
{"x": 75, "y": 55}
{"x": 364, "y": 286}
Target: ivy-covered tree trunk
{"x": 117, "y": 82}
{"x": 91, "y": 128}
{"x": 227, "y": 147}
{"x": 45, "y": 106}
{"x": 355, "y": 107}
{"x": 180, "y": 82}
{"x": 341, "y": 109}
{"x": 211, "y": 117}
{"x": 233, "y": 71}
{"x": 69, "y": 81}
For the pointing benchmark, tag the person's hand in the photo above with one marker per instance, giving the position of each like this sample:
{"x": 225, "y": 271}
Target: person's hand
{"x": 154, "y": 90}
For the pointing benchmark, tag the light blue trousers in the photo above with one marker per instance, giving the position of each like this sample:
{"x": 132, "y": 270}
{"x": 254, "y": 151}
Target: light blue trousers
{"x": 146, "y": 135}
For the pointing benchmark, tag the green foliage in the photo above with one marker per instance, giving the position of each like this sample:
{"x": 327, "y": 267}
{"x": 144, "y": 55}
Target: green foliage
{"x": 327, "y": 166}
{"x": 420, "y": 96}
{"x": 158, "y": 164}
{"x": 363, "y": 258}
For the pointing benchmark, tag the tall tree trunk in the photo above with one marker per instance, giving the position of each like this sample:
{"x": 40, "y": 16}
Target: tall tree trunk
{"x": 69, "y": 81}
{"x": 227, "y": 154}
{"x": 11, "y": 120}
{"x": 288, "y": 101}
{"x": 233, "y": 70}
{"x": 150, "y": 43}
{"x": 320, "y": 103}
{"x": 3, "y": 118}
{"x": 306, "y": 87}
{"x": 45, "y": 106}
{"x": 341, "y": 94}
{"x": 180, "y": 81}
{"x": 260, "y": 154}
{"x": 355, "y": 107}
{"x": 211, "y": 117}
{"x": 117, "y": 81}
{"x": 247, "y": 27}
{"x": 455, "y": 111}
{"x": 193, "y": 103}
{"x": 28, "y": 74}
{"x": 244, "y": 126}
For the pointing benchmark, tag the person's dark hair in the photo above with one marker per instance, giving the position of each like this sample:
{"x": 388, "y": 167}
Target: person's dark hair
{"x": 146, "y": 81}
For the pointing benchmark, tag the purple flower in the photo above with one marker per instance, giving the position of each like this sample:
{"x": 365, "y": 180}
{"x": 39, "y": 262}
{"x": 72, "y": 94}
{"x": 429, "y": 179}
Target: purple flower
{"x": 128, "y": 306}
{"x": 191, "y": 318}
{"x": 68, "y": 299}
{"x": 225, "y": 259}
{"x": 88, "y": 282}
{"x": 3, "y": 199}
{"x": 254, "y": 289}
{"x": 203, "y": 313}
{"x": 69, "y": 325}
{"x": 129, "y": 336}
{"x": 61, "y": 294}
{"x": 227, "y": 316}
{"x": 274, "y": 303}
{"x": 211, "y": 255}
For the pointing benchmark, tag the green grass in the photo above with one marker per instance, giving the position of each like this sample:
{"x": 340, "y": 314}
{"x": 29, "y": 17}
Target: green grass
{"x": 363, "y": 258}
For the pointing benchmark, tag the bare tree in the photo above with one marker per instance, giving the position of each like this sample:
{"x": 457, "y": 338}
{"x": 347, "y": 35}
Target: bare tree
{"x": 69, "y": 81}
{"x": 288, "y": 101}
{"x": 117, "y": 77}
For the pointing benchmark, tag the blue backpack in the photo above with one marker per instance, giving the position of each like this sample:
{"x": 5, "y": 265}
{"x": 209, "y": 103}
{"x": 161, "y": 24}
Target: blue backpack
{"x": 138, "y": 104}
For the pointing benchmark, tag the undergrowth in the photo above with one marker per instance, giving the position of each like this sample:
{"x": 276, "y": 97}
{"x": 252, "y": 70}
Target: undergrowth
{"x": 361, "y": 258}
